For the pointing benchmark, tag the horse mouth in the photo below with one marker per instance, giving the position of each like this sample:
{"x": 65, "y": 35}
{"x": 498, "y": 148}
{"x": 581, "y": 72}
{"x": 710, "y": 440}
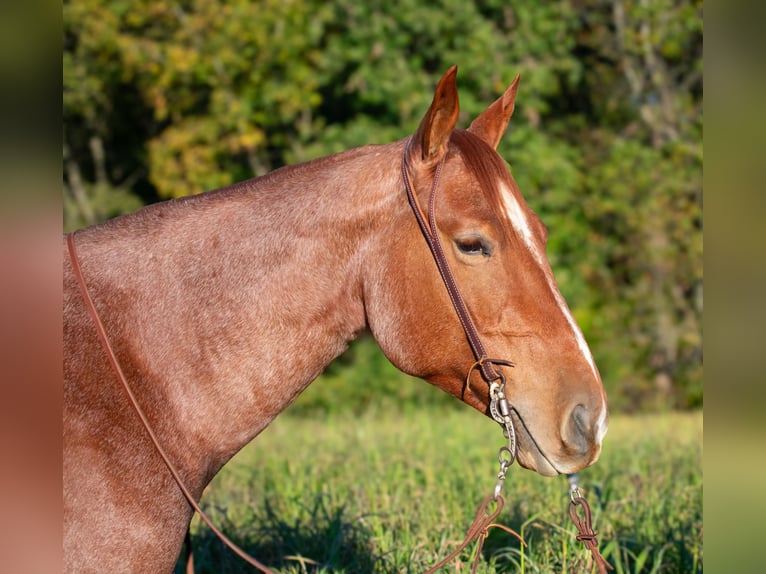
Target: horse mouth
{"x": 528, "y": 452}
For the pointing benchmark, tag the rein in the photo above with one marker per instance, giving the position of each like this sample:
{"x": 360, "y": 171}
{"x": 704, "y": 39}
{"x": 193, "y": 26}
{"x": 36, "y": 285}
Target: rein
{"x": 145, "y": 422}
{"x": 499, "y": 407}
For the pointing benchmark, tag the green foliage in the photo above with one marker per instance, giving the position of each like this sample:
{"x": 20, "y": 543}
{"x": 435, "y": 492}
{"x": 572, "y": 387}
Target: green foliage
{"x": 389, "y": 492}
{"x": 164, "y": 100}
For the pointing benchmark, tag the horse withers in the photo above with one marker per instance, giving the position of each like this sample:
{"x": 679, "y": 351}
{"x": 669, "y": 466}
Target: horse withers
{"x": 222, "y": 307}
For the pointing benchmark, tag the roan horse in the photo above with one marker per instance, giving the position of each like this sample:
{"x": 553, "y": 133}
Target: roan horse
{"x": 222, "y": 307}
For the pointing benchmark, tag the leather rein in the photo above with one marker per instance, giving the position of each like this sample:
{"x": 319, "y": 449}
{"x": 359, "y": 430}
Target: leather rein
{"x": 145, "y": 422}
{"x": 499, "y": 407}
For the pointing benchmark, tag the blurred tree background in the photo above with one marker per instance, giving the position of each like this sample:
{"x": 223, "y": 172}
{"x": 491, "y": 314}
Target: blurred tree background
{"x": 166, "y": 99}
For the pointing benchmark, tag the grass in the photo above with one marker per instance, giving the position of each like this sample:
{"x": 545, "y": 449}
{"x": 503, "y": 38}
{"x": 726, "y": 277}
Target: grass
{"x": 386, "y": 492}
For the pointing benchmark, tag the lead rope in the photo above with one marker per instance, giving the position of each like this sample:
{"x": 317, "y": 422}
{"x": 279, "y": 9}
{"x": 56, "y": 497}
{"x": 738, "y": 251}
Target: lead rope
{"x": 585, "y": 532}
{"x": 145, "y": 422}
{"x": 484, "y": 519}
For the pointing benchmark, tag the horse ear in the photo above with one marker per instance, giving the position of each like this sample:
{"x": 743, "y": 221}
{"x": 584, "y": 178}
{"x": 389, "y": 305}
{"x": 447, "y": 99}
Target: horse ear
{"x": 491, "y": 123}
{"x": 436, "y": 126}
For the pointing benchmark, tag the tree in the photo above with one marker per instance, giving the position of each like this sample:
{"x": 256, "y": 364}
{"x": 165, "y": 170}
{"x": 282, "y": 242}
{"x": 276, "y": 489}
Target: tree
{"x": 643, "y": 193}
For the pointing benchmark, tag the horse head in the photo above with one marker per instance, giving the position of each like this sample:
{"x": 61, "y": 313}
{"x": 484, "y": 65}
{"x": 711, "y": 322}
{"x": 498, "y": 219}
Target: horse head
{"x": 495, "y": 245}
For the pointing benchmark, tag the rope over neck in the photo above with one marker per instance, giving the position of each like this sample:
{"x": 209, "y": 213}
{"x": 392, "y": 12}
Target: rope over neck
{"x": 88, "y": 300}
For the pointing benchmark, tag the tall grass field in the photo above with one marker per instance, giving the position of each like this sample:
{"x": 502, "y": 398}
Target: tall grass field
{"x": 389, "y": 491}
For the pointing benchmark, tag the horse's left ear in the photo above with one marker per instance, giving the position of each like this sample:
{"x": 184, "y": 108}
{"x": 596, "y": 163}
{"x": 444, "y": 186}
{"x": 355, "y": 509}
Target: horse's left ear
{"x": 491, "y": 123}
{"x": 437, "y": 125}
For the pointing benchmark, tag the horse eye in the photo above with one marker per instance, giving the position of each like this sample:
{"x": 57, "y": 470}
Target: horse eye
{"x": 472, "y": 246}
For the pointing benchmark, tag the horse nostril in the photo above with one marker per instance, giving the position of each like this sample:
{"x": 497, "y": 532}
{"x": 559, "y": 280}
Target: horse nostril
{"x": 578, "y": 433}
{"x": 579, "y": 418}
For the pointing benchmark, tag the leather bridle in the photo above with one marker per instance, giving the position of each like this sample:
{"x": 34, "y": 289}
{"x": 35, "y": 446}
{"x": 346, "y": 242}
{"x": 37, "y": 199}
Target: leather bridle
{"x": 498, "y": 406}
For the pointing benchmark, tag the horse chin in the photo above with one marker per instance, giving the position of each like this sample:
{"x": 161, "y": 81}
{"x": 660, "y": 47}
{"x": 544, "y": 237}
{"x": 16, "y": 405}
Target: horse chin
{"x": 529, "y": 454}
{"x": 536, "y": 463}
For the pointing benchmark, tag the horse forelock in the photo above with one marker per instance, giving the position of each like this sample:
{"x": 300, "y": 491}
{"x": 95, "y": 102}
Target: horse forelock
{"x": 490, "y": 172}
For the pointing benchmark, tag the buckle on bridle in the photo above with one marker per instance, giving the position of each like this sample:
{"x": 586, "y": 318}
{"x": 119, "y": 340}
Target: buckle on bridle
{"x": 499, "y": 406}
{"x": 486, "y": 365}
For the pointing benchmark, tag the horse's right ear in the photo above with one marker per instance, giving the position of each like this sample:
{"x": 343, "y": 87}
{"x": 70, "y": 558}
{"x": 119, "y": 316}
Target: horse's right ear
{"x": 432, "y": 137}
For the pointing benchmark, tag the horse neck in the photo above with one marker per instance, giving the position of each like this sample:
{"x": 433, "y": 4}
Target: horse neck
{"x": 227, "y": 305}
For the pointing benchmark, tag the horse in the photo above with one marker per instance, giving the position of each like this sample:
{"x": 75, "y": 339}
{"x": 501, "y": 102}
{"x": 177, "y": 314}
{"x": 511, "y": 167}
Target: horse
{"x": 222, "y": 307}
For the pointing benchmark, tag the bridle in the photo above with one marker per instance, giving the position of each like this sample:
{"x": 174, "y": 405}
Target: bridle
{"x": 499, "y": 406}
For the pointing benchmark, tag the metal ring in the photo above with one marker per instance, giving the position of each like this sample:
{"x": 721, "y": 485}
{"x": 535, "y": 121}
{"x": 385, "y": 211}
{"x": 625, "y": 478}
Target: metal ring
{"x": 501, "y": 459}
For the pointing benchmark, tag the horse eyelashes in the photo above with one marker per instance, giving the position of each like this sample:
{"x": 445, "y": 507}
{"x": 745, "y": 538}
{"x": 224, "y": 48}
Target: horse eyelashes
{"x": 473, "y": 246}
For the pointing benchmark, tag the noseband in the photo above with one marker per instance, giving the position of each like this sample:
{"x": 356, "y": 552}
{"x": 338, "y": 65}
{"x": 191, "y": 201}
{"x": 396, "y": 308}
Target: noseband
{"x": 499, "y": 407}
